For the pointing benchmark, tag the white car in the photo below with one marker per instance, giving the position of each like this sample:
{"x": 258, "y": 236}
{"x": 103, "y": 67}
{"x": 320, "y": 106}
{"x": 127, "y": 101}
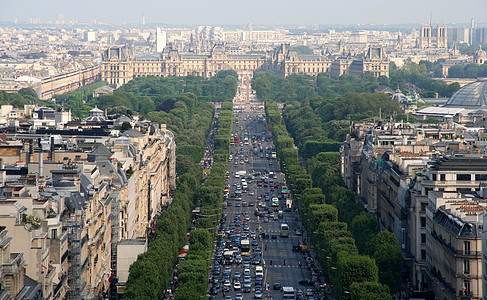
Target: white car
{"x": 237, "y": 286}
{"x": 227, "y": 283}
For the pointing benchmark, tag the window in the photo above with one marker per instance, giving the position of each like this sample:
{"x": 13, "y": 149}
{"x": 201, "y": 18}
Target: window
{"x": 466, "y": 287}
{"x": 442, "y": 177}
{"x": 423, "y": 222}
{"x": 423, "y": 254}
{"x": 466, "y": 247}
{"x": 423, "y": 206}
{"x": 480, "y": 177}
{"x": 463, "y": 177}
{"x": 423, "y": 238}
{"x": 433, "y": 177}
{"x": 54, "y": 234}
{"x": 466, "y": 266}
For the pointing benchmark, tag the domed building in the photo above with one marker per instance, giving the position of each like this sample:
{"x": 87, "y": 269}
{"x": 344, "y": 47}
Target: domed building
{"x": 480, "y": 56}
{"x": 471, "y": 96}
{"x": 467, "y": 106}
{"x": 95, "y": 115}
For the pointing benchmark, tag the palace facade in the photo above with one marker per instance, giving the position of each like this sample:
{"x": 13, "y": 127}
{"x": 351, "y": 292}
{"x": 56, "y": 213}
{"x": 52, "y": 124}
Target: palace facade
{"x": 119, "y": 66}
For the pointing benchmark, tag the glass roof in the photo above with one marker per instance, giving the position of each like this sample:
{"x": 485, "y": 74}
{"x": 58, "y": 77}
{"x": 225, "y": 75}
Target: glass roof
{"x": 472, "y": 95}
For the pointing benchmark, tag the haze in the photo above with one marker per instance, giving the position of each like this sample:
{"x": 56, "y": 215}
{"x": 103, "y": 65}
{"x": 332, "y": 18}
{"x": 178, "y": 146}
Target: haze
{"x": 254, "y": 11}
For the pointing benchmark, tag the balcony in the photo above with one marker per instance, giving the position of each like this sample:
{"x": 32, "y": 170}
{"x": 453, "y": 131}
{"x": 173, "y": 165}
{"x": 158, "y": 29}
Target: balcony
{"x": 461, "y": 253}
{"x": 14, "y": 265}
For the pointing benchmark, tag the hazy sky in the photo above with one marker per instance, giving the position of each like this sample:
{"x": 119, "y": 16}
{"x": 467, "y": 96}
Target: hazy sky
{"x": 245, "y": 11}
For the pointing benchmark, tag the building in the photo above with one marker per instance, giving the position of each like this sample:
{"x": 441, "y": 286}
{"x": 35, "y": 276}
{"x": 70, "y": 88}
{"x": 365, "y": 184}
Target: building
{"x": 468, "y": 106}
{"x": 454, "y": 245}
{"x": 480, "y": 56}
{"x": 119, "y": 66}
{"x": 79, "y": 197}
{"x": 161, "y": 40}
{"x": 433, "y": 37}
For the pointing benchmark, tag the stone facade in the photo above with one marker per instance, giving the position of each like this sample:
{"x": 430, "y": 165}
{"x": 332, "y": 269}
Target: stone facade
{"x": 119, "y": 66}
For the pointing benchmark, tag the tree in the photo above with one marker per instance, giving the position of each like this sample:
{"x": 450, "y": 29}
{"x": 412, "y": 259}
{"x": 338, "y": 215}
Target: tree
{"x": 388, "y": 256}
{"x": 126, "y": 126}
{"x": 364, "y": 229}
{"x": 356, "y": 268}
{"x": 369, "y": 291}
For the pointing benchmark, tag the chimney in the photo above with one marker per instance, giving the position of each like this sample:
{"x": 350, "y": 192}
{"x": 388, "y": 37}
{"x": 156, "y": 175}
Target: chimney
{"x": 31, "y": 151}
{"x": 52, "y": 149}
{"x": 41, "y": 163}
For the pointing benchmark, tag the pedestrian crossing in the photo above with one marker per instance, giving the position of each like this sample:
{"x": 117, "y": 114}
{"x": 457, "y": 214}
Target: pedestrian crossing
{"x": 283, "y": 266}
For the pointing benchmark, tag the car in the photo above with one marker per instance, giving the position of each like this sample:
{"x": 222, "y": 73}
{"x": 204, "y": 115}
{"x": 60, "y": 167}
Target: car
{"x": 228, "y": 298}
{"x": 216, "y": 270}
{"x": 246, "y": 272}
{"x": 237, "y": 286}
{"x": 247, "y": 289}
{"x": 299, "y": 231}
{"x": 255, "y": 243}
{"x": 251, "y": 204}
{"x": 212, "y": 298}
{"x": 213, "y": 291}
{"x": 251, "y": 193}
{"x": 226, "y": 289}
{"x": 236, "y": 276}
{"x": 258, "y": 295}
{"x": 276, "y": 286}
{"x": 306, "y": 282}
{"x": 309, "y": 292}
{"x": 238, "y": 297}
{"x": 238, "y": 259}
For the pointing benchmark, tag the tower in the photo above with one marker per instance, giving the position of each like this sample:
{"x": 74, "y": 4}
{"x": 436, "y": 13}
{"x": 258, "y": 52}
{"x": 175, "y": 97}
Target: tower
{"x": 441, "y": 36}
{"x": 161, "y": 40}
{"x": 143, "y": 17}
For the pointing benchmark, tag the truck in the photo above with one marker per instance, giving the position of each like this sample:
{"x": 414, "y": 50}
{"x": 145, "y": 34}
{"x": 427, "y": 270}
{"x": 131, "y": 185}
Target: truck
{"x": 289, "y": 204}
{"x": 228, "y": 257}
{"x": 242, "y": 173}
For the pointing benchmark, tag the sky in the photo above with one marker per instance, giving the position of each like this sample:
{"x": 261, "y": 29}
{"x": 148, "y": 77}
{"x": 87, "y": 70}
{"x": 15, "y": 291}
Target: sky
{"x": 235, "y": 12}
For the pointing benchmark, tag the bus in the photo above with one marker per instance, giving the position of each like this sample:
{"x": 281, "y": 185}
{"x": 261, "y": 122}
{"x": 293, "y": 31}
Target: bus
{"x": 228, "y": 257}
{"x": 245, "y": 247}
{"x": 288, "y": 292}
{"x": 236, "y": 121}
{"x": 284, "y": 190}
{"x": 275, "y": 201}
{"x": 284, "y": 230}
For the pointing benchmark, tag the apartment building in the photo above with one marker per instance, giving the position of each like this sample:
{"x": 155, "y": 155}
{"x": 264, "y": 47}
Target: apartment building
{"x": 71, "y": 207}
{"x": 454, "y": 244}
{"x": 399, "y": 166}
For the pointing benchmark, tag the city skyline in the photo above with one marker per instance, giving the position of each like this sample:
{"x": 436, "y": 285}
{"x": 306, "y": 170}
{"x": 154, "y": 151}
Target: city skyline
{"x": 271, "y": 12}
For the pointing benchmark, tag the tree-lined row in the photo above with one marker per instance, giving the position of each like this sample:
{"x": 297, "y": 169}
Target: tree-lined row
{"x": 190, "y": 119}
{"x": 325, "y": 212}
{"x": 193, "y": 271}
